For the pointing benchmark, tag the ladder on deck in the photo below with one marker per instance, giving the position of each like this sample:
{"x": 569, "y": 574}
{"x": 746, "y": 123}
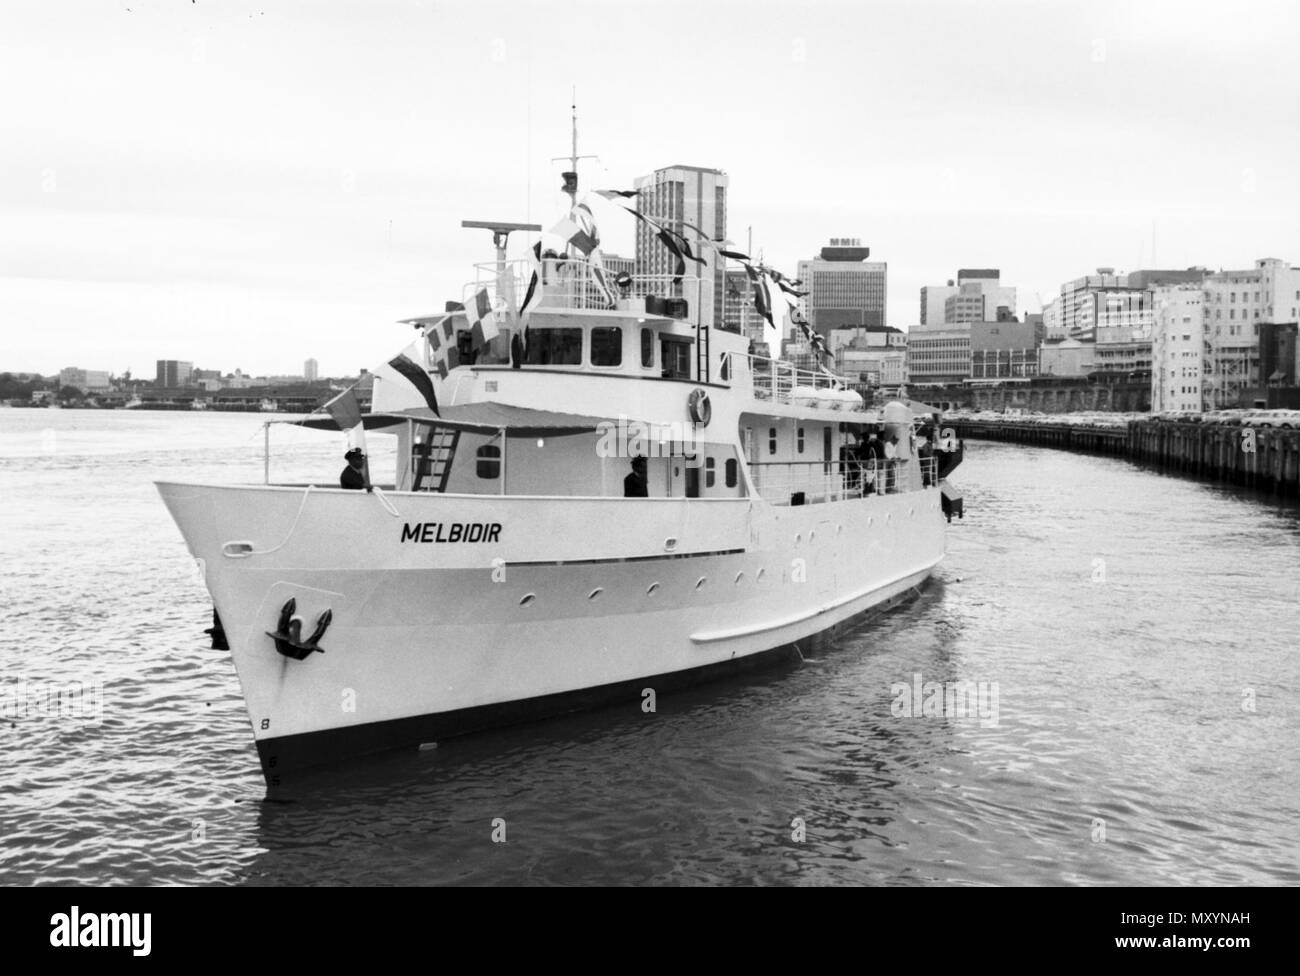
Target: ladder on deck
{"x": 432, "y": 459}
{"x": 702, "y": 353}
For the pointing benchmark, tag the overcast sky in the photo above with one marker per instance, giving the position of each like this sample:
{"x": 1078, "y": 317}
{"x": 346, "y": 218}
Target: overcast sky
{"x": 249, "y": 184}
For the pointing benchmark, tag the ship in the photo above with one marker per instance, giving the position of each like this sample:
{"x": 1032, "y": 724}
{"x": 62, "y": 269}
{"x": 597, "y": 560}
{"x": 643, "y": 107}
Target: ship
{"x": 598, "y": 498}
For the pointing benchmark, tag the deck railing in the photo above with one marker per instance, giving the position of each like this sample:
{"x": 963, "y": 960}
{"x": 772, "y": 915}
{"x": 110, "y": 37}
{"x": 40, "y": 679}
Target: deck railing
{"x": 784, "y": 382}
{"x": 811, "y": 482}
{"x": 573, "y": 283}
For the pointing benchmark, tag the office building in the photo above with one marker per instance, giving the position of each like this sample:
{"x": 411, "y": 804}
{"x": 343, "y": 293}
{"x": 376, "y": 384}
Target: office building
{"x": 675, "y": 196}
{"x": 1178, "y": 348}
{"x": 85, "y": 380}
{"x": 173, "y": 373}
{"x": 738, "y": 311}
{"x": 938, "y": 354}
{"x": 977, "y": 296}
{"x": 1004, "y": 350}
{"x": 310, "y": 371}
{"x": 844, "y": 288}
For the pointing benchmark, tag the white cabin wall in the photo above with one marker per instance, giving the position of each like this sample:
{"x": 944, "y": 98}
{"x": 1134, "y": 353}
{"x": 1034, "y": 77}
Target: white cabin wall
{"x": 561, "y": 466}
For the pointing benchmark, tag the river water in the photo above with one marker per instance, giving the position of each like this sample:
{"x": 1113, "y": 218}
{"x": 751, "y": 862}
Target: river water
{"x": 1134, "y": 636}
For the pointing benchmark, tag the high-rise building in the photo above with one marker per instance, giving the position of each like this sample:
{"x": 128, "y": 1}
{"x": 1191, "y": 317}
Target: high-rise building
{"x": 845, "y": 290}
{"x": 933, "y": 299}
{"x": 615, "y": 264}
{"x": 675, "y": 196}
{"x": 173, "y": 372}
{"x": 1215, "y": 341}
{"x": 310, "y": 371}
{"x": 976, "y": 296}
{"x": 1178, "y": 348}
{"x": 738, "y": 311}
{"x": 1237, "y": 303}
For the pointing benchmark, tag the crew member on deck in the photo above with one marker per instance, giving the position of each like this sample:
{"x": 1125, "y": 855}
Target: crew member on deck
{"x": 353, "y": 475}
{"x": 635, "y": 485}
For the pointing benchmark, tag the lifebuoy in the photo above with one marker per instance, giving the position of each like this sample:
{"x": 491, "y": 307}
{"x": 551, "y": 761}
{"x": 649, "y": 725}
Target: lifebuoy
{"x": 700, "y": 408}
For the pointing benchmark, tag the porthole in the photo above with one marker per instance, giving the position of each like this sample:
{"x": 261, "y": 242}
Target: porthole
{"x": 701, "y": 581}
{"x": 760, "y": 574}
{"x": 595, "y": 593}
{"x": 798, "y": 538}
{"x": 650, "y": 590}
{"x": 527, "y": 598}
{"x": 740, "y": 576}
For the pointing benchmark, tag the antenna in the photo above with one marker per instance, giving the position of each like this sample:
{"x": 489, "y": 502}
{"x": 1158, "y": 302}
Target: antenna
{"x": 571, "y": 175}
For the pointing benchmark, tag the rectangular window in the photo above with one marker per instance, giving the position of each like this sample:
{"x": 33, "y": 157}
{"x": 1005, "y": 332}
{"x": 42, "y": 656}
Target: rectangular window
{"x": 489, "y": 461}
{"x": 800, "y": 440}
{"x": 607, "y": 346}
{"x": 771, "y": 440}
{"x": 554, "y": 347}
{"x": 731, "y": 472}
{"x": 676, "y": 359}
{"x": 648, "y": 348}
{"x": 709, "y": 474}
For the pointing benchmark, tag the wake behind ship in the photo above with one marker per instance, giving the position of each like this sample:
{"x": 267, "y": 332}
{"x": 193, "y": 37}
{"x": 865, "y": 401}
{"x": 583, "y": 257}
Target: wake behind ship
{"x": 517, "y": 563}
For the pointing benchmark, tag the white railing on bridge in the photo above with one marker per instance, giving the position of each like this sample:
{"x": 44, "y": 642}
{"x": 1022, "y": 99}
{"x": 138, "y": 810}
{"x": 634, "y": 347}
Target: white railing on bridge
{"x": 572, "y": 283}
{"x": 782, "y": 382}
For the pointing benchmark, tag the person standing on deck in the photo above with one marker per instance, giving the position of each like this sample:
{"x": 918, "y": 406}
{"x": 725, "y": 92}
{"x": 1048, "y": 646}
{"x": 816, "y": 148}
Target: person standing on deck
{"x": 635, "y": 484}
{"x": 353, "y": 475}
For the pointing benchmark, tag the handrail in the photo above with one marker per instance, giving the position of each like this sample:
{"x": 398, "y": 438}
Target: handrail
{"x": 571, "y": 283}
{"x": 841, "y": 478}
{"x": 783, "y": 382}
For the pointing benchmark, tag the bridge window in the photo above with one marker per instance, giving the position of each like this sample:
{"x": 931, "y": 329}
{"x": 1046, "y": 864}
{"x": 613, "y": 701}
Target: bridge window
{"x": 647, "y": 348}
{"x": 771, "y": 440}
{"x": 731, "y": 472}
{"x": 489, "y": 461}
{"x": 800, "y": 440}
{"x": 607, "y": 346}
{"x": 710, "y": 475}
{"x": 677, "y": 359}
{"x": 554, "y": 347}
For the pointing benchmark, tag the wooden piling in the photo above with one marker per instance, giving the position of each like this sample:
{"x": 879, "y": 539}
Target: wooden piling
{"x": 1206, "y": 451}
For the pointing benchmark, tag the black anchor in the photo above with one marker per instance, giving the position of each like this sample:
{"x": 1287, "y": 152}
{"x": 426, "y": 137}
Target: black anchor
{"x": 288, "y": 635}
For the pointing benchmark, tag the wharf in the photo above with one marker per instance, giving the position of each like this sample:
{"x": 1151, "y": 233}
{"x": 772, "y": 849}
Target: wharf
{"x": 1262, "y": 458}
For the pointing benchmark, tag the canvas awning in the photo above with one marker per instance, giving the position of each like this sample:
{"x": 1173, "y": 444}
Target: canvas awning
{"x": 487, "y": 417}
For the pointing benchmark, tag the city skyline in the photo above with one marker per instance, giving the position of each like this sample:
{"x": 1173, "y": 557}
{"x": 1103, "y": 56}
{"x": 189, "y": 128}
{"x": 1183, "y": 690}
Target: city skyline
{"x": 273, "y": 196}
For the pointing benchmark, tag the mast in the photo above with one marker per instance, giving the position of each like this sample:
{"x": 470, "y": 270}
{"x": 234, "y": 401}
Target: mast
{"x": 571, "y": 174}
{"x": 572, "y": 183}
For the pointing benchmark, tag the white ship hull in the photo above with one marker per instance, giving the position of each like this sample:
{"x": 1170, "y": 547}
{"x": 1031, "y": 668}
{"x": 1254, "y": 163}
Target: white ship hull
{"x": 431, "y": 638}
